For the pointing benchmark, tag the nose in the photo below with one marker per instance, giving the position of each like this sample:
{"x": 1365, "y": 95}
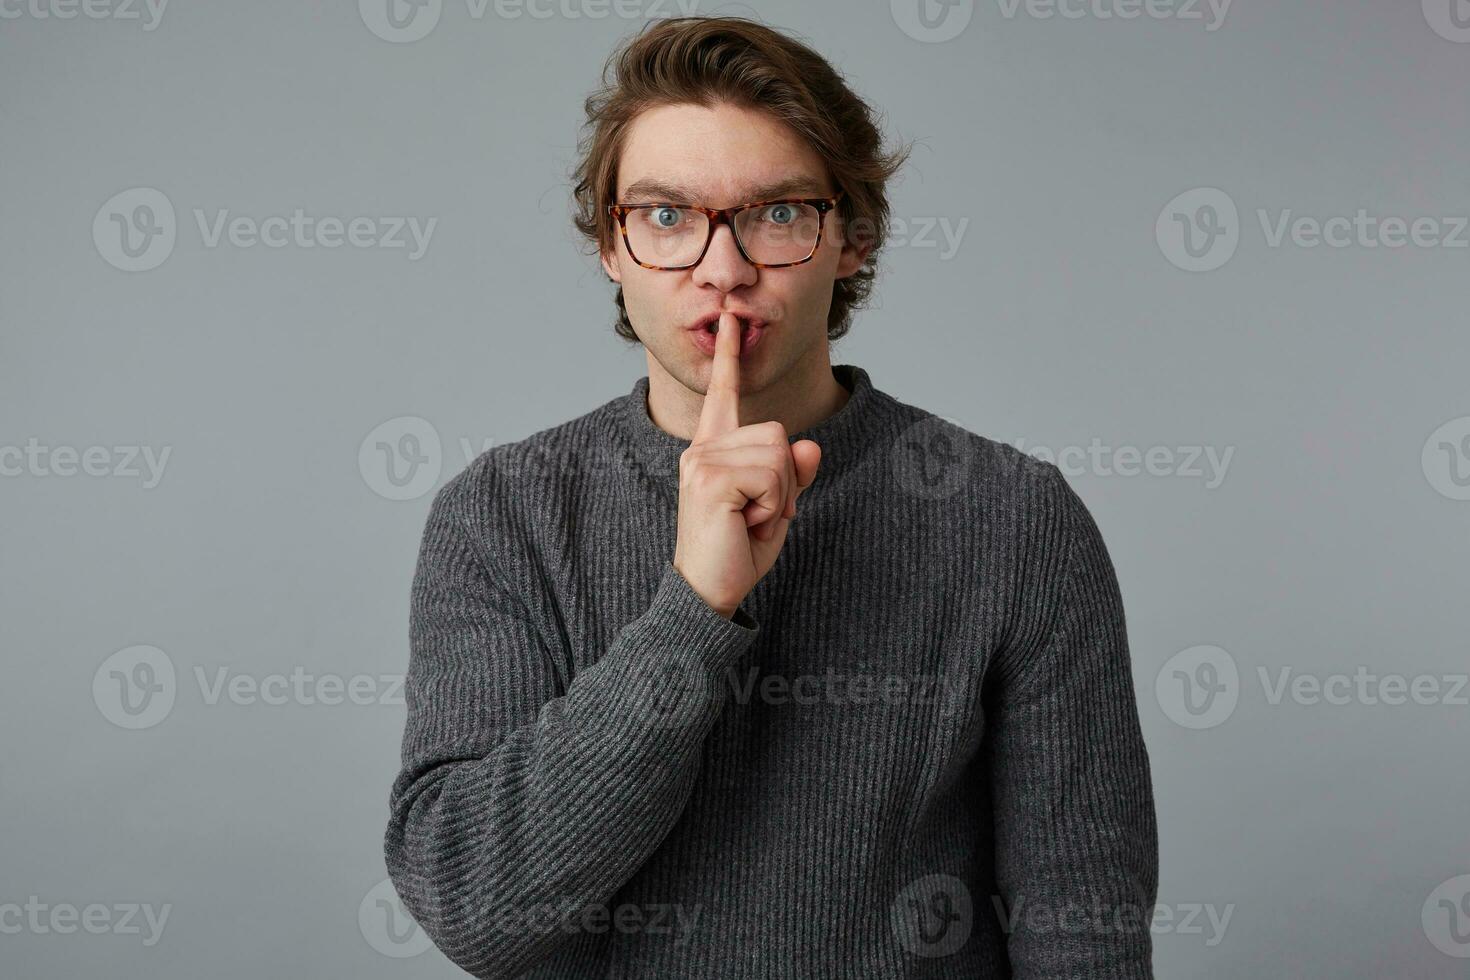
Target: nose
{"x": 723, "y": 266}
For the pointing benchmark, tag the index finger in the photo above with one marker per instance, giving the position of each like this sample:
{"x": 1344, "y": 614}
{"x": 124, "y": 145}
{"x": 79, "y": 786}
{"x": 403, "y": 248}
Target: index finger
{"x": 721, "y": 410}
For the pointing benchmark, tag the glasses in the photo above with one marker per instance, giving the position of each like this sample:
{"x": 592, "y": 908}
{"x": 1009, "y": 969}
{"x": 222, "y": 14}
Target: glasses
{"x": 769, "y": 234}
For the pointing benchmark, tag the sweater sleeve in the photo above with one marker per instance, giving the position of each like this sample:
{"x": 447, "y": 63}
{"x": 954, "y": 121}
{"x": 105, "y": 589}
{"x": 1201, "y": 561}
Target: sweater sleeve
{"x": 1074, "y": 823}
{"x": 519, "y": 806}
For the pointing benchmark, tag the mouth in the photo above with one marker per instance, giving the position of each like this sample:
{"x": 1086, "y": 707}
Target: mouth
{"x": 710, "y": 322}
{"x": 704, "y": 331}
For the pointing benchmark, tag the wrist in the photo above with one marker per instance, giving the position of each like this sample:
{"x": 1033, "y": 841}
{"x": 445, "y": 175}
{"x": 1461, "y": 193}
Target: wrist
{"x": 728, "y": 612}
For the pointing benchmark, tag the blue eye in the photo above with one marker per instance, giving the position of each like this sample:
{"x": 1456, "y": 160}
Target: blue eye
{"x": 781, "y": 209}
{"x": 671, "y": 214}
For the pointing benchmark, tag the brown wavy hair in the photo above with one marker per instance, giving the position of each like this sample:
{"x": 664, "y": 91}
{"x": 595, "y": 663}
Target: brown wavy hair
{"x": 707, "y": 61}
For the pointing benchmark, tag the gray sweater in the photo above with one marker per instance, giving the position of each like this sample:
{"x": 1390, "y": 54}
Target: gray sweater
{"x": 914, "y": 751}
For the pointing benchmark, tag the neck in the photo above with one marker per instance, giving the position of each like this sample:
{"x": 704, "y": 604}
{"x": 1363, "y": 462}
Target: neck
{"x": 799, "y": 399}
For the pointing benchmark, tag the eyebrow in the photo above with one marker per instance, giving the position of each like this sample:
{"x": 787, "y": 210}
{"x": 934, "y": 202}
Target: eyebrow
{"x": 652, "y": 189}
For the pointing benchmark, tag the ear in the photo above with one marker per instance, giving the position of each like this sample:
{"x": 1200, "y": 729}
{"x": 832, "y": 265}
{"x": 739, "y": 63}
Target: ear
{"x": 610, "y": 265}
{"x": 851, "y": 259}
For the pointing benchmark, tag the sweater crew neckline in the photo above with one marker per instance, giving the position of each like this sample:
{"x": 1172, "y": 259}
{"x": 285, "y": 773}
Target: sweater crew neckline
{"x": 845, "y": 435}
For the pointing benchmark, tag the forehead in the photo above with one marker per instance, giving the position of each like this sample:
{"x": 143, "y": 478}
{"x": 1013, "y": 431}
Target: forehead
{"x": 718, "y": 155}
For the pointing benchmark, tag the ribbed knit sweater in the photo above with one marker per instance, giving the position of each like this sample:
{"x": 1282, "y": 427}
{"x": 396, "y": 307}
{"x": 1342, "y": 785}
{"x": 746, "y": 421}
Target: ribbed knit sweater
{"x": 913, "y": 751}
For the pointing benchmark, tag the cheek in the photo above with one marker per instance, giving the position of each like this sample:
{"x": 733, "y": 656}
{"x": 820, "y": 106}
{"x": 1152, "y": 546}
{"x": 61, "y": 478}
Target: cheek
{"x": 813, "y": 281}
{"x": 646, "y": 292}
{"x": 829, "y": 255}
{"x": 814, "y": 290}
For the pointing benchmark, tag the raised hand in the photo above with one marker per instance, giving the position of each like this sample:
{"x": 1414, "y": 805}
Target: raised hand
{"x": 737, "y": 487}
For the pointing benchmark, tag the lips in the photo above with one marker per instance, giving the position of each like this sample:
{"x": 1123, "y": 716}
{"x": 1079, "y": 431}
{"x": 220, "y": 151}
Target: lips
{"x": 705, "y": 330}
{"x": 711, "y": 321}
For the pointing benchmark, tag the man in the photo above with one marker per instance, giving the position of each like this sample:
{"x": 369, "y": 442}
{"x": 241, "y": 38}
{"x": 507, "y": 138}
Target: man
{"x": 758, "y": 671}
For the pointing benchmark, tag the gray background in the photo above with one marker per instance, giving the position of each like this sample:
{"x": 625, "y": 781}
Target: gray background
{"x": 1333, "y": 835}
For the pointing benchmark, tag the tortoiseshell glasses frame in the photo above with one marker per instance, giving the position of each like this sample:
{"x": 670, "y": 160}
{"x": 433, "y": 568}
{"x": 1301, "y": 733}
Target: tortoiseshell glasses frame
{"x": 719, "y": 216}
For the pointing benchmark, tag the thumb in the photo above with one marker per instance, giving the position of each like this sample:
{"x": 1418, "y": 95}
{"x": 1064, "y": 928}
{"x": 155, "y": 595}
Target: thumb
{"x": 806, "y": 455}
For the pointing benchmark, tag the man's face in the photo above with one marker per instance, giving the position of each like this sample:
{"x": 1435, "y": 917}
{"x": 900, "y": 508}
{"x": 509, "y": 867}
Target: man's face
{"x": 720, "y": 157}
